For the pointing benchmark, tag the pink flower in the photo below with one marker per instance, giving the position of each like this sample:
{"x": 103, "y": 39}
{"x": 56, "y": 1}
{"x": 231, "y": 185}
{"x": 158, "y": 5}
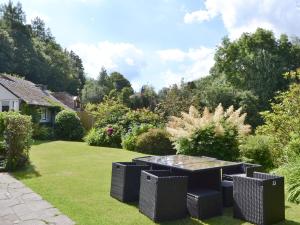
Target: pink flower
{"x": 110, "y": 131}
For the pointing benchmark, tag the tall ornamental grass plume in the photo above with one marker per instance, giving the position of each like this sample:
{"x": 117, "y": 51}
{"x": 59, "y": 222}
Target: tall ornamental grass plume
{"x": 188, "y": 123}
{"x": 208, "y": 133}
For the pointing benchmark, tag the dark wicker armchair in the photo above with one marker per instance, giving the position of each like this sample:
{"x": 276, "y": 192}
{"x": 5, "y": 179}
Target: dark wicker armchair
{"x": 125, "y": 181}
{"x": 163, "y": 195}
{"x": 259, "y": 199}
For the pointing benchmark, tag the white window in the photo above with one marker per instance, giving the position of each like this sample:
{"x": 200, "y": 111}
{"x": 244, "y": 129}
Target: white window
{"x": 44, "y": 115}
{"x": 5, "y": 106}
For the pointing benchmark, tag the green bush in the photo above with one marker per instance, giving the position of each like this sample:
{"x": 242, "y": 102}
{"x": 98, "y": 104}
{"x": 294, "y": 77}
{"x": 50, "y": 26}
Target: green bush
{"x": 68, "y": 126}
{"x": 107, "y": 136}
{"x": 141, "y": 116}
{"x": 206, "y": 142}
{"x": 16, "y": 131}
{"x": 156, "y": 142}
{"x": 130, "y": 138}
{"x": 42, "y": 132}
{"x": 291, "y": 173}
{"x": 257, "y": 149}
{"x": 292, "y": 150}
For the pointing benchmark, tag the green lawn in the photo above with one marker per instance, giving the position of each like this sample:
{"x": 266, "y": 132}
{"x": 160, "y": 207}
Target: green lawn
{"x": 75, "y": 178}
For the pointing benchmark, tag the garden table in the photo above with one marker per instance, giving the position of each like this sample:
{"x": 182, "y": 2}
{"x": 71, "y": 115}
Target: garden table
{"x": 186, "y": 163}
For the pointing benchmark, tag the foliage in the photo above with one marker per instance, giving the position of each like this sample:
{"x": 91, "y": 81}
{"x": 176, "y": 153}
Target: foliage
{"x": 109, "y": 136}
{"x": 141, "y": 116}
{"x": 68, "y": 126}
{"x": 110, "y": 111}
{"x": 146, "y": 98}
{"x": 42, "y": 132}
{"x": 30, "y": 110}
{"x": 213, "y": 90}
{"x": 282, "y": 123}
{"x": 175, "y": 99}
{"x": 257, "y": 149}
{"x": 31, "y": 51}
{"x": 156, "y": 142}
{"x": 130, "y": 138}
{"x": 114, "y": 85}
{"x": 16, "y": 129}
{"x": 291, "y": 173}
{"x": 212, "y": 134}
{"x": 257, "y": 61}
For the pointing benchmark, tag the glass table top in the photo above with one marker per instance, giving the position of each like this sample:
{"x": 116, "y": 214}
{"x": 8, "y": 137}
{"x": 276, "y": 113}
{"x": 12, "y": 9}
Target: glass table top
{"x": 192, "y": 163}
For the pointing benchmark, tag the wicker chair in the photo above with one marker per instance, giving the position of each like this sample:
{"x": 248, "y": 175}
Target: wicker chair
{"x": 163, "y": 195}
{"x": 125, "y": 181}
{"x": 244, "y": 169}
{"x": 259, "y": 199}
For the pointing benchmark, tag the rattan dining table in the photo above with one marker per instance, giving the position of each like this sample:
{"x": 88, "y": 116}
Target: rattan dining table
{"x": 185, "y": 163}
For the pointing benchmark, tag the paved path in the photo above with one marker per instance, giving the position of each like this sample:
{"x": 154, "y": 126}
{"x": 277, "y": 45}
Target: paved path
{"x": 19, "y": 205}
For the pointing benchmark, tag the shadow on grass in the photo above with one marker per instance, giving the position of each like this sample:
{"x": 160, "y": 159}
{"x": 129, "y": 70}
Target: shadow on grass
{"x": 39, "y": 142}
{"x": 225, "y": 219}
{"x": 26, "y": 173}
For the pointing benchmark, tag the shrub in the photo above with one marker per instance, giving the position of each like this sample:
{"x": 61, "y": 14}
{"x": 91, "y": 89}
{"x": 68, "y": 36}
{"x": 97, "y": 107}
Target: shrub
{"x": 212, "y": 134}
{"x": 292, "y": 150}
{"x": 68, "y": 126}
{"x": 16, "y": 132}
{"x": 110, "y": 111}
{"x": 141, "y": 116}
{"x": 156, "y": 142}
{"x": 206, "y": 142}
{"x": 257, "y": 149}
{"x": 291, "y": 173}
{"x": 130, "y": 138}
{"x": 107, "y": 136}
{"x": 282, "y": 123}
{"x": 42, "y": 132}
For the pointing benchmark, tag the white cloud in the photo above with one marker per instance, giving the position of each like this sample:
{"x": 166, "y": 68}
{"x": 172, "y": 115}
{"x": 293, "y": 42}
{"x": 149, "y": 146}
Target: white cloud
{"x": 241, "y": 16}
{"x": 194, "y": 63}
{"x": 171, "y": 55}
{"x": 125, "y": 58}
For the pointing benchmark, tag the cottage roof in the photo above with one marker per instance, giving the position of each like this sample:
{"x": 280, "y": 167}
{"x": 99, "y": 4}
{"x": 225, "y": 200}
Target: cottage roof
{"x": 29, "y": 92}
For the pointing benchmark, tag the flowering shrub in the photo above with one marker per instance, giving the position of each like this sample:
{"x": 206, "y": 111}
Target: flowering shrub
{"x": 107, "y": 136}
{"x": 214, "y": 134}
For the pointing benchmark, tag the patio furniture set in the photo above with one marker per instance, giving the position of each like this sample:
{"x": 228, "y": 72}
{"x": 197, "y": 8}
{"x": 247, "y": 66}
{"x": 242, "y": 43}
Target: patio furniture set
{"x": 171, "y": 187}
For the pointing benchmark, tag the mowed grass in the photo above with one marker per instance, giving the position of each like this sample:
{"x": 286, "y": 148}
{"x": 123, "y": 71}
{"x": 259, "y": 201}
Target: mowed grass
{"x": 75, "y": 178}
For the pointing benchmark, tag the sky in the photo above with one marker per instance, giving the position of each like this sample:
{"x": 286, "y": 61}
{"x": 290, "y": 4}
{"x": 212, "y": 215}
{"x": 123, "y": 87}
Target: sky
{"x": 157, "y": 42}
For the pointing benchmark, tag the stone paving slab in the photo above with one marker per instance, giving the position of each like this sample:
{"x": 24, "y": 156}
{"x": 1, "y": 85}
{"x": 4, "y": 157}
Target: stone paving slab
{"x": 19, "y": 205}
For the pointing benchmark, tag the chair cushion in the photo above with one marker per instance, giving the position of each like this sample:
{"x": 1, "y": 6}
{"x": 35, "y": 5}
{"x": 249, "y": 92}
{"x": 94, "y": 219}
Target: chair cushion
{"x": 201, "y": 192}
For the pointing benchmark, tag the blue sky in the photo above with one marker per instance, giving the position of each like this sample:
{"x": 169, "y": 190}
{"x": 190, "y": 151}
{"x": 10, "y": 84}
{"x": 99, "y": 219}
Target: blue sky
{"x": 157, "y": 42}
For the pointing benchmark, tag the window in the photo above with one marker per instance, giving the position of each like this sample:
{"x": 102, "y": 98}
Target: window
{"x": 5, "y": 106}
{"x": 44, "y": 114}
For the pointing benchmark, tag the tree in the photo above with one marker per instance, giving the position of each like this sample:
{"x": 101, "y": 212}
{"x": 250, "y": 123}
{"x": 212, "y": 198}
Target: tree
{"x": 256, "y": 62}
{"x": 119, "y": 81}
{"x": 31, "y": 52}
{"x": 12, "y": 14}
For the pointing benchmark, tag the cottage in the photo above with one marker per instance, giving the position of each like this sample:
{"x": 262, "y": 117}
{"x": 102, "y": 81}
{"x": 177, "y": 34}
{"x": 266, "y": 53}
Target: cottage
{"x": 17, "y": 94}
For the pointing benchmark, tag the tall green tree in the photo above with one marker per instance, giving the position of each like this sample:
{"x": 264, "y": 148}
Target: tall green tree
{"x": 256, "y": 62}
